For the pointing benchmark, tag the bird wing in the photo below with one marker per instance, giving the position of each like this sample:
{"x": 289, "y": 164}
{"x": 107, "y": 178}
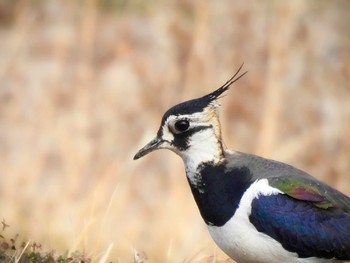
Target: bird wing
{"x": 311, "y": 190}
{"x": 290, "y": 180}
{"x": 301, "y": 227}
{"x": 308, "y": 217}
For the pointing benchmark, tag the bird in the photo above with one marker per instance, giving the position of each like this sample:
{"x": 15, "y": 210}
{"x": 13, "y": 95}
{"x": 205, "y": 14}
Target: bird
{"x": 256, "y": 209}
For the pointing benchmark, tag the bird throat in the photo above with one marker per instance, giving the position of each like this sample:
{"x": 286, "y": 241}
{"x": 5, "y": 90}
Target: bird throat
{"x": 205, "y": 147}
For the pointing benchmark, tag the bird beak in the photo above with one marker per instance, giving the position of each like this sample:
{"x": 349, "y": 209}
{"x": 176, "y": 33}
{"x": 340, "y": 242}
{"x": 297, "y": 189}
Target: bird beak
{"x": 149, "y": 147}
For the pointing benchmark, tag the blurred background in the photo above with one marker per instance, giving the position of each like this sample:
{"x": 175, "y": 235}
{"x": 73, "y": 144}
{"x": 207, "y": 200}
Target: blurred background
{"x": 84, "y": 84}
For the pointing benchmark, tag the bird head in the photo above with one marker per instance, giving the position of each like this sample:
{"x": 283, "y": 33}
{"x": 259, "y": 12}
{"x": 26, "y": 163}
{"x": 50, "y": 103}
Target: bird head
{"x": 192, "y": 129}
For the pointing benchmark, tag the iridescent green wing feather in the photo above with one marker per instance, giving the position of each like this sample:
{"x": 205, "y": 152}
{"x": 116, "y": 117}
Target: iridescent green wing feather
{"x": 311, "y": 190}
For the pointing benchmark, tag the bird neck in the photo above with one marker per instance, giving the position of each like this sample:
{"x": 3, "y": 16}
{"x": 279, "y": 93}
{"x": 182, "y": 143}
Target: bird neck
{"x": 205, "y": 147}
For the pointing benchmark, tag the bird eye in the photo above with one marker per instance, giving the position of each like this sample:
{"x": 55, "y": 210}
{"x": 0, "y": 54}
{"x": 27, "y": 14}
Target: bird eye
{"x": 182, "y": 125}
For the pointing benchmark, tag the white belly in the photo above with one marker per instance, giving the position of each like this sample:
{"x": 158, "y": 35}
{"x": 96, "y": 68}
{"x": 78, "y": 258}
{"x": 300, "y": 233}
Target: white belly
{"x": 243, "y": 243}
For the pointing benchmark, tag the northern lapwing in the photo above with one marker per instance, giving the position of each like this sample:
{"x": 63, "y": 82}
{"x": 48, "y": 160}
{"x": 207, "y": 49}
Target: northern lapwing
{"x": 256, "y": 209}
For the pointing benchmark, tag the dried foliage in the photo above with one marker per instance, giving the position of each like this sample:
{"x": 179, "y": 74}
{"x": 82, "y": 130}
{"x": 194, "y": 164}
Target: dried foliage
{"x": 13, "y": 250}
{"x": 83, "y": 85}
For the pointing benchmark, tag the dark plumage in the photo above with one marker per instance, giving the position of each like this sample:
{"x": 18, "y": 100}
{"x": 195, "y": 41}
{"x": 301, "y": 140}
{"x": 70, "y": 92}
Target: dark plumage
{"x": 218, "y": 197}
{"x": 302, "y": 227}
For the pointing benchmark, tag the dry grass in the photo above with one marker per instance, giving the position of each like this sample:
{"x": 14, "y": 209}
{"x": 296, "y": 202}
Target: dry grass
{"x": 83, "y": 85}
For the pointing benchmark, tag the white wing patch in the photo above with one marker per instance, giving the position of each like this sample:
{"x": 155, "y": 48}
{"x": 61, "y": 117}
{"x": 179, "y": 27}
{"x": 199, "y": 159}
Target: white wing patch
{"x": 259, "y": 187}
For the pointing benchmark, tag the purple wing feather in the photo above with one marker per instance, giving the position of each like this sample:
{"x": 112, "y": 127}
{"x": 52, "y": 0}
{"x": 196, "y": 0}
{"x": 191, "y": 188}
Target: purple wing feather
{"x": 312, "y": 190}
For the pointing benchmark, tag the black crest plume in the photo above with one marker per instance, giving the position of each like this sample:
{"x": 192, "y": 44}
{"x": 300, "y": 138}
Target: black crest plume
{"x": 216, "y": 94}
{"x": 197, "y": 105}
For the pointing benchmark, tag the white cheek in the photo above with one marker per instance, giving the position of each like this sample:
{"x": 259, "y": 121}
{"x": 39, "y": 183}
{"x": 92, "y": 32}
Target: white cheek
{"x": 203, "y": 147}
{"x": 167, "y": 135}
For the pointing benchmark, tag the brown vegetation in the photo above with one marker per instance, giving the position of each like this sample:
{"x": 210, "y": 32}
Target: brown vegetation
{"x": 83, "y": 85}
